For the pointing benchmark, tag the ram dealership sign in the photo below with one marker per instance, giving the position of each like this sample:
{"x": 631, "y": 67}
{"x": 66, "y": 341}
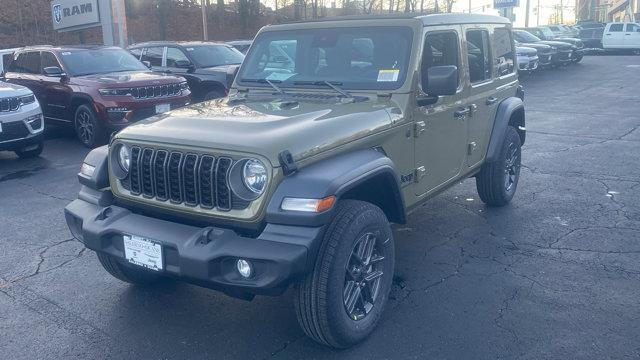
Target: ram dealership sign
{"x": 74, "y": 14}
{"x": 505, "y": 3}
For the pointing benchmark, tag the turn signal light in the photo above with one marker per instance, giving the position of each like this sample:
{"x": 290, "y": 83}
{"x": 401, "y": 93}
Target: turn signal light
{"x": 308, "y": 205}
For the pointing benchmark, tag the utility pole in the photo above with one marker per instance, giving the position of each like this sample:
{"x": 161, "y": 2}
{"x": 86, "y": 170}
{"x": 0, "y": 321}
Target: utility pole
{"x": 469, "y": 6}
{"x": 205, "y": 32}
{"x": 561, "y": 12}
{"x": 526, "y": 14}
{"x": 538, "y": 15}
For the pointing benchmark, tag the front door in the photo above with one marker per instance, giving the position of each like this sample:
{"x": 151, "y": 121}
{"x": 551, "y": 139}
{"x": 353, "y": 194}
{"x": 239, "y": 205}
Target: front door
{"x": 441, "y": 128}
{"x": 56, "y": 94}
{"x": 614, "y": 36}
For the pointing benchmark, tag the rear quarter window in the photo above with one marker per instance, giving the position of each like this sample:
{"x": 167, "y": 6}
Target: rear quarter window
{"x": 504, "y": 56}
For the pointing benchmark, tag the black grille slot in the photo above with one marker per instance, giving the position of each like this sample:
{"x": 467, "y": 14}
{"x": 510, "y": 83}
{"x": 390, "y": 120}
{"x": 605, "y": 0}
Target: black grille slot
{"x": 189, "y": 179}
{"x": 173, "y": 172}
{"x": 206, "y": 176}
{"x": 155, "y": 91}
{"x": 146, "y": 171}
{"x": 223, "y": 194}
{"x": 134, "y": 170}
{"x": 160, "y": 174}
{"x": 9, "y": 104}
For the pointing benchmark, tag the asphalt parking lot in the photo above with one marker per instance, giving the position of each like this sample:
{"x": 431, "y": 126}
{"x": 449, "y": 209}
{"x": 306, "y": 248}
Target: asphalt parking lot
{"x": 555, "y": 275}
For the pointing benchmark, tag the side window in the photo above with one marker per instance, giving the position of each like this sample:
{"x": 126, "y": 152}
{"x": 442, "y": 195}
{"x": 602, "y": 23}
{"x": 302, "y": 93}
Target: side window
{"x": 478, "y": 55}
{"x": 136, "y": 52}
{"x": 440, "y": 49}
{"x": 616, "y": 27}
{"x": 27, "y": 62}
{"x": 153, "y": 55}
{"x": 48, "y": 59}
{"x": 504, "y": 57}
{"x": 173, "y": 55}
{"x": 632, "y": 27}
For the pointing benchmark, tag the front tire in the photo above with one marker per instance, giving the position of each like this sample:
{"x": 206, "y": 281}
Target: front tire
{"x": 32, "y": 153}
{"x": 341, "y": 301}
{"x": 126, "y": 274}
{"x": 497, "y": 181}
{"x": 212, "y": 95}
{"x": 89, "y": 129}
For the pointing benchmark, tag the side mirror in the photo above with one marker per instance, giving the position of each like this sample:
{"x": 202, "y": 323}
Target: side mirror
{"x": 53, "y": 71}
{"x": 438, "y": 81}
{"x": 183, "y": 64}
{"x": 146, "y": 63}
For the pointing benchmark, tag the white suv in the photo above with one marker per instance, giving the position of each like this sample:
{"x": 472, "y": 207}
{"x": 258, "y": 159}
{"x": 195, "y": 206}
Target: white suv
{"x": 21, "y": 122}
{"x": 621, "y": 35}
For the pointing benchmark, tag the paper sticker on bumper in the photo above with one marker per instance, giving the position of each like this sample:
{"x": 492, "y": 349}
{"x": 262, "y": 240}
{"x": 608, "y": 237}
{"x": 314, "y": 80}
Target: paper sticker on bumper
{"x": 142, "y": 252}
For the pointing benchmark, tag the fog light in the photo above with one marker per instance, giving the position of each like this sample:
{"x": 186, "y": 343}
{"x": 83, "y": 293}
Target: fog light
{"x": 244, "y": 268}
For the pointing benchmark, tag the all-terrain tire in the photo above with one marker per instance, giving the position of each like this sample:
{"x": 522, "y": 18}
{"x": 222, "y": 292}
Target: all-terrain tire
{"x": 126, "y": 274}
{"x": 319, "y": 298}
{"x": 498, "y": 180}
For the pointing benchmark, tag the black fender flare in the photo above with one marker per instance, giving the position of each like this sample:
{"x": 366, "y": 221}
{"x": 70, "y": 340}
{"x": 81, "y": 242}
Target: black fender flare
{"x": 336, "y": 176}
{"x": 99, "y": 159}
{"x": 506, "y": 109}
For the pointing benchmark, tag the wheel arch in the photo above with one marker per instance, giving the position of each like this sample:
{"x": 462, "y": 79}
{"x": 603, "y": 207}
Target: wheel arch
{"x": 76, "y": 101}
{"x": 366, "y": 175}
{"x": 510, "y": 113}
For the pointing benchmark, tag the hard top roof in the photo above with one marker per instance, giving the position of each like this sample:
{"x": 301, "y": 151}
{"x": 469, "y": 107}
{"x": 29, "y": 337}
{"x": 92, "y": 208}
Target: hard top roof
{"x": 179, "y": 43}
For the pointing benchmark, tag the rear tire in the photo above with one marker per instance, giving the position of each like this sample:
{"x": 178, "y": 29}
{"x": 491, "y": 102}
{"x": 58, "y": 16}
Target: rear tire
{"x": 497, "y": 181}
{"x": 341, "y": 300}
{"x": 126, "y": 274}
{"x": 29, "y": 154}
{"x": 89, "y": 129}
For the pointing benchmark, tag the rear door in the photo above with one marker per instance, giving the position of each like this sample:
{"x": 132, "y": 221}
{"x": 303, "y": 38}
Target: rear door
{"x": 25, "y": 71}
{"x": 480, "y": 90}
{"x": 441, "y": 128}
{"x": 155, "y": 56}
{"x": 632, "y": 36}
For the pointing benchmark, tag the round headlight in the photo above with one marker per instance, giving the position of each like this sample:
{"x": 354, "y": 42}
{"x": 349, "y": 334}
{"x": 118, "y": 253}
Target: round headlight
{"x": 124, "y": 157}
{"x": 254, "y": 175}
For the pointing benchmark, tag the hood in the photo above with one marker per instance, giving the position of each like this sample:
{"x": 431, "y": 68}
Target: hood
{"x": 129, "y": 78}
{"x": 538, "y": 46}
{"x": 265, "y": 127}
{"x": 558, "y": 44}
{"x": 9, "y": 90}
{"x": 218, "y": 69}
{"x": 526, "y": 50}
{"x": 570, "y": 40}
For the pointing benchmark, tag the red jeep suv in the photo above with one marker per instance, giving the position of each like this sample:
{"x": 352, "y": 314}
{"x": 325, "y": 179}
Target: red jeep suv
{"x": 96, "y": 89}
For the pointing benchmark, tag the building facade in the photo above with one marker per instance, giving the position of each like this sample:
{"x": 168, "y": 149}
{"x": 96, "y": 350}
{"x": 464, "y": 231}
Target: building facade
{"x": 608, "y": 10}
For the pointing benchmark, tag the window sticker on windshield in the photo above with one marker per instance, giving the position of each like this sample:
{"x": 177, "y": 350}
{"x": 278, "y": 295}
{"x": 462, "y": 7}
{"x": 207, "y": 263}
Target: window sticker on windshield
{"x": 66, "y": 53}
{"x": 189, "y": 49}
{"x": 279, "y": 76}
{"x": 388, "y": 75}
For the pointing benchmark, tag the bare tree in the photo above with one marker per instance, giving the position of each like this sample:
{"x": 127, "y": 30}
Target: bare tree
{"x": 449, "y": 4}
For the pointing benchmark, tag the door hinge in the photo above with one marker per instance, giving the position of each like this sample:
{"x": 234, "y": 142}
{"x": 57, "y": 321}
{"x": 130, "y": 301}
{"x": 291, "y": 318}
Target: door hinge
{"x": 419, "y": 128}
{"x": 472, "y": 147}
{"x": 420, "y": 173}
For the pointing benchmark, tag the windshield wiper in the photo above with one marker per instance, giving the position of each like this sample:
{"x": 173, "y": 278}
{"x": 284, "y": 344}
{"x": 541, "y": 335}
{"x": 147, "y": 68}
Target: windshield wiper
{"x": 332, "y": 84}
{"x": 267, "y": 81}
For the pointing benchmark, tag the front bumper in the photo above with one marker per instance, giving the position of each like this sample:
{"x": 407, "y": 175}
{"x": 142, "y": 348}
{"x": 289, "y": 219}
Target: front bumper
{"x": 563, "y": 57}
{"x": 527, "y": 63}
{"x": 205, "y": 256}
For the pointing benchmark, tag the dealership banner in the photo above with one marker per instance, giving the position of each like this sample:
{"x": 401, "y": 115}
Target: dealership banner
{"x": 505, "y": 3}
{"x": 74, "y": 14}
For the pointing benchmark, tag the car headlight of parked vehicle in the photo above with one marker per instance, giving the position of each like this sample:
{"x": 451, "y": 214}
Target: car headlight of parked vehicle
{"x": 120, "y": 160}
{"x": 184, "y": 86}
{"x": 248, "y": 179}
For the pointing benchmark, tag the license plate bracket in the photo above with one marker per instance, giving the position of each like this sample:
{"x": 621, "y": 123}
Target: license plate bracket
{"x": 162, "y": 108}
{"x": 143, "y": 252}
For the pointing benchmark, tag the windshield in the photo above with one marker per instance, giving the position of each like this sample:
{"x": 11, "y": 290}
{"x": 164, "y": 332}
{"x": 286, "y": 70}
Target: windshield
{"x": 214, "y": 55}
{"x": 100, "y": 61}
{"x": 367, "y": 58}
{"x": 525, "y": 37}
{"x": 546, "y": 31}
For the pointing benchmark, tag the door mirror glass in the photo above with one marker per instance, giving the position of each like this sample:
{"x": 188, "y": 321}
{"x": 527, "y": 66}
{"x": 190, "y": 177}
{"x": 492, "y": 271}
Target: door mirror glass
{"x": 52, "y": 71}
{"x": 183, "y": 64}
{"x": 440, "y": 80}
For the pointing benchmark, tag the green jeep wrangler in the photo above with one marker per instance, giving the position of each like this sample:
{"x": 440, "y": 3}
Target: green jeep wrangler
{"x": 332, "y": 130}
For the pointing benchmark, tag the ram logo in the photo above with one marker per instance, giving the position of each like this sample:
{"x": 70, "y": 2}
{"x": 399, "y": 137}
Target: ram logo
{"x": 57, "y": 13}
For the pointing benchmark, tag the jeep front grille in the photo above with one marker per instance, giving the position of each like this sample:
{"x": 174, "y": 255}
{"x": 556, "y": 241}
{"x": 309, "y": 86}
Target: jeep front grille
{"x": 146, "y": 92}
{"x": 196, "y": 180}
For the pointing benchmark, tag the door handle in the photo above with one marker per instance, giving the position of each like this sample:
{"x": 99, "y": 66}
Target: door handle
{"x": 491, "y": 100}
{"x": 460, "y": 113}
